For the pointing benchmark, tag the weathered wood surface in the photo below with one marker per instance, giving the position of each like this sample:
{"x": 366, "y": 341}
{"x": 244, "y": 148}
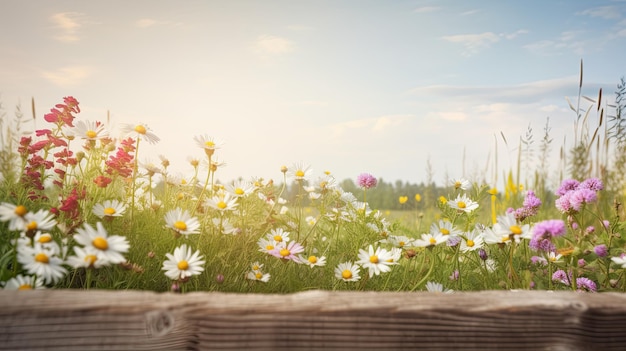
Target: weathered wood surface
{"x": 141, "y": 320}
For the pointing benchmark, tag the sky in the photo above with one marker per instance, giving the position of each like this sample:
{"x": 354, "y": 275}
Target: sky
{"x": 391, "y": 88}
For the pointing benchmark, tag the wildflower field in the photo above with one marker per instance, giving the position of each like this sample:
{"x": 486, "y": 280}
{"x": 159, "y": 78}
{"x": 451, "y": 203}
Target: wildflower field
{"x": 78, "y": 210}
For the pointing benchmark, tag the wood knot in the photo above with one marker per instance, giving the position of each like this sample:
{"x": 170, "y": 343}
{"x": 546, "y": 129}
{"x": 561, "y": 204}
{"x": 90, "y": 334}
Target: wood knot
{"x": 159, "y": 323}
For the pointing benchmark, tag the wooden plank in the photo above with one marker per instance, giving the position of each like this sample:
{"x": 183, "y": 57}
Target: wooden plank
{"x": 143, "y": 320}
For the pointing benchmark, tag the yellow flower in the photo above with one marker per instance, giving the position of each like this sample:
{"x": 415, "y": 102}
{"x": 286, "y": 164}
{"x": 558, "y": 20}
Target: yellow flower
{"x": 403, "y": 199}
{"x": 443, "y": 199}
{"x": 418, "y": 197}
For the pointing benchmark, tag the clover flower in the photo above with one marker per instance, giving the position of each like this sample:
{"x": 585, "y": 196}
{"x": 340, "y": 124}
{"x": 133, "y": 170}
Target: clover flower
{"x": 366, "y": 181}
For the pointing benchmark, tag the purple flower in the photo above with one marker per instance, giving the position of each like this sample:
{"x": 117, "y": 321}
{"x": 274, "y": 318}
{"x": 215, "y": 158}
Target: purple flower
{"x": 543, "y": 232}
{"x": 566, "y": 186}
{"x": 582, "y": 196}
{"x": 590, "y": 229}
{"x": 483, "y": 254}
{"x": 561, "y": 276}
{"x": 453, "y": 241}
{"x": 538, "y": 260}
{"x": 563, "y": 203}
{"x": 531, "y": 200}
{"x": 455, "y": 275}
{"x": 366, "y": 181}
{"x": 601, "y": 250}
{"x": 585, "y": 284}
{"x": 594, "y": 184}
{"x": 582, "y": 263}
{"x": 605, "y": 223}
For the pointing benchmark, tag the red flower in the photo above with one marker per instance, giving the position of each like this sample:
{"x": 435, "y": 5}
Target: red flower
{"x": 102, "y": 181}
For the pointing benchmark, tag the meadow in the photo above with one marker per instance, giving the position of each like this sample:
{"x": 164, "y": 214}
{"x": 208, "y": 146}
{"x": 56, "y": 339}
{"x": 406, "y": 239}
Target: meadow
{"x": 79, "y": 211}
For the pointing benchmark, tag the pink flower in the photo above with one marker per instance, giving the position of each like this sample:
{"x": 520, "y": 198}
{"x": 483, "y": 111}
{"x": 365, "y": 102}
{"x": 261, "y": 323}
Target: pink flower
{"x": 287, "y": 251}
{"x": 366, "y": 181}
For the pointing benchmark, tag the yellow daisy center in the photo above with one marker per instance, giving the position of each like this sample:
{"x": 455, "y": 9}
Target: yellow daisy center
{"x": 221, "y": 205}
{"x": 45, "y": 239}
{"x": 41, "y": 258}
{"x": 461, "y": 204}
{"x": 100, "y": 243}
{"x": 255, "y": 268}
{"x": 444, "y": 231}
{"x": 180, "y": 225}
{"x": 346, "y": 274}
{"x": 432, "y": 241}
{"x": 299, "y": 173}
{"x": 374, "y": 259}
{"x": 31, "y": 226}
{"x": 312, "y": 259}
{"x": 91, "y": 259}
{"x": 401, "y": 244}
{"x": 269, "y": 248}
{"x": 109, "y": 211}
{"x": 258, "y": 275}
{"x": 239, "y": 191}
{"x": 140, "y": 129}
{"x": 21, "y": 210}
{"x": 25, "y": 287}
{"x": 183, "y": 265}
{"x": 209, "y": 144}
{"x": 515, "y": 229}
{"x": 284, "y": 252}
{"x": 470, "y": 243}
{"x": 552, "y": 259}
{"x": 457, "y": 184}
{"x": 278, "y": 238}
{"x": 91, "y": 134}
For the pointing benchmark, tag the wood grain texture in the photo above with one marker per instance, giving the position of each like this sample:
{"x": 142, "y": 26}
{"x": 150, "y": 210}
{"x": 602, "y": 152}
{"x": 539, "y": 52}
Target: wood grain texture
{"x": 142, "y": 320}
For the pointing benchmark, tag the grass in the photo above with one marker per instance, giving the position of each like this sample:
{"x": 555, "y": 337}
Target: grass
{"x": 254, "y": 236}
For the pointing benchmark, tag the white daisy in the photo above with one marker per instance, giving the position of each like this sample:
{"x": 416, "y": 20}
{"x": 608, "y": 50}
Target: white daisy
{"x": 445, "y": 227}
{"x": 109, "y": 209}
{"x": 400, "y": 241}
{"x": 89, "y": 130}
{"x": 14, "y": 214}
{"x": 348, "y": 272}
{"x": 437, "y": 287}
{"x": 429, "y": 239}
{"x": 86, "y": 257}
{"x": 41, "y": 262}
{"x": 183, "y": 263}
{"x": 472, "y": 241}
{"x": 507, "y": 226}
{"x": 554, "y": 257}
{"x": 299, "y": 172}
{"x": 224, "y": 226}
{"x": 313, "y": 261}
{"x": 266, "y": 245}
{"x": 181, "y": 222}
{"x": 376, "y": 261}
{"x": 222, "y": 202}
{"x": 140, "y": 131}
{"x": 24, "y": 282}
{"x": 41, "y": 220}
{"x": 107, "y": 248}
{"x": 240, "y": 188}
{"x": 463, "y": 203}
{"x": 278, "y": 235}
{"x": 207, "y": 143}
{"x": 258, "y": 275}
{"x": 460, "y": 183}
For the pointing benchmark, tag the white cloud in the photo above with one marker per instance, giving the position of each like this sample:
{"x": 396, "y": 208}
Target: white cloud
{"x": 515, "y": 34}
{"x": 68, "y": 76}
{"x": 606, "y": 12}
{"x": 452, "y": 115}
{"x": 525, "y": 92}
{"x": 269, "y": 44}
{"x": 68, "y": 23}
{"x": 473, "y": 42}
{"x": 470, "y": 12}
